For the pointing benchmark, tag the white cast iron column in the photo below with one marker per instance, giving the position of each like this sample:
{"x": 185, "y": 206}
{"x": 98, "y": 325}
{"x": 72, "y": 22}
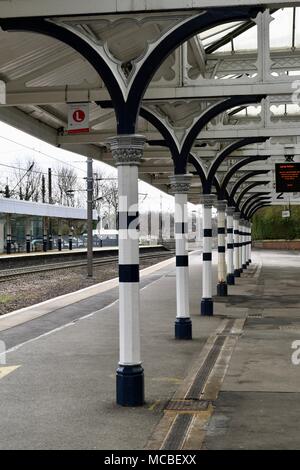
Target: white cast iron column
{"x": 180, "y": 185}
{"x": 207, "y": 302}
{"x": 127, "y": 151}
{"x": 243, "y": 227}
{"x": 250, "y": 242}
{"x": 222, "y": 284}
{"x": 236, "y": 244}
{"x": 240, "y": 246}
{"x": 247, "y": 242}
{"x": 230, "y": 247}
{"x": 8, "y": 234}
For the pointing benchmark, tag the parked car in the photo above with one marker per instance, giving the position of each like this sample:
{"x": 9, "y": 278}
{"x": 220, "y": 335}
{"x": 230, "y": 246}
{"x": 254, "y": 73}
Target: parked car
{"x": 37, "y": 244}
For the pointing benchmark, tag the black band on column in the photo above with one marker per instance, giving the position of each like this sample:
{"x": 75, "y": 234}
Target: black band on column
{"x": 129, "y": 273}
{"x": 182, "y": 260}
{"x": 181, "y": 227}
{"x": 230, "y": 230}
{"x": 207, "y": 232}
{"x": 207, "y": 257}
{"x": 221, "y": 230}
{"x": 221, "y": 249}
{"x": 229, "y": 246}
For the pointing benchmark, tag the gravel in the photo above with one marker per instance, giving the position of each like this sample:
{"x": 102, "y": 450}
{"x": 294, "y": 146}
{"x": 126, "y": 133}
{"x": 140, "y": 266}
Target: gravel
{"x": 31, "y": 289}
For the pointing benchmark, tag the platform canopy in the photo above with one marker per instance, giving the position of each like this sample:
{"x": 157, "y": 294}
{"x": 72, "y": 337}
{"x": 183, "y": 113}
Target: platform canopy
{"x": 226, "y": 76}
{"x": 14, "y": 206}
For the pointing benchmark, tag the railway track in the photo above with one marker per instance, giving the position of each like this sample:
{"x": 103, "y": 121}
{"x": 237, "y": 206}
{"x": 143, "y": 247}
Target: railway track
{"x": 11, "y": 273}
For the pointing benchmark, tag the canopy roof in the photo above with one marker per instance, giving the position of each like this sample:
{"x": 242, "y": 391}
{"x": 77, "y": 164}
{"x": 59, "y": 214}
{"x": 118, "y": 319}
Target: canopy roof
{"x": 253, "y": 57}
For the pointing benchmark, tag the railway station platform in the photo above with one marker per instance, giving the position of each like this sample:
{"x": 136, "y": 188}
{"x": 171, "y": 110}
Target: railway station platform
{"x": 226, "y": 389}
{"x": 16, "y": 260}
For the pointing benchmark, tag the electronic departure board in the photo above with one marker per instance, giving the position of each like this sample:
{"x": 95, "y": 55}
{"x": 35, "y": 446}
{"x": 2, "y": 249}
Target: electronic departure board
{"x": 287, "y": 177}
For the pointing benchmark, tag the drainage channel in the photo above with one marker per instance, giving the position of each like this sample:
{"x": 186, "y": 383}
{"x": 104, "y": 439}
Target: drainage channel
{"x": 192, "y": 406}
{"x": 176, "y": 436}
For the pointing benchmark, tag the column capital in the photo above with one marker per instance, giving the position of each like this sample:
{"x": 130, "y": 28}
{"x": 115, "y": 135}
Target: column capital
{"x": 127, "y": 149}
{"x": 180, "y": 184}
{"x": 221, "y": 206}
{"x": 230, "y": 210}
{"x": 207, "y": 200}
{"x": 236, "y": 215}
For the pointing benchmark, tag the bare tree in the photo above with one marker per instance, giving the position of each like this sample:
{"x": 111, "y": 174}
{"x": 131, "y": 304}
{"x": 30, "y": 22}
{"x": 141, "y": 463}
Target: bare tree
{"x": 65, "y": 185}
{"x": 26, "y": 184}
{"x": 111, "y": 201}
{"x": 98, "y": 188}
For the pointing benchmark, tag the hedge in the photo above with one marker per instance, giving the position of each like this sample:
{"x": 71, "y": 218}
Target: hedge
{"x": 268, "y": 224}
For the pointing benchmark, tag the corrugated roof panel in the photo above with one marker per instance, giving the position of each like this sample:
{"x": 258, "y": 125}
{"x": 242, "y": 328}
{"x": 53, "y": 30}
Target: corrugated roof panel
{"x": 73, "y": 72}
{"x": 22, "y": 53}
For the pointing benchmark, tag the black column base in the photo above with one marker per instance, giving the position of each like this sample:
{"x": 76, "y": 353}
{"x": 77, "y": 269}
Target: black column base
{"x": 222, "y": 290}
{"x": 237, "y": 273}
{"x": 130, "y": 385}
{"x": 183, "y": 328}
{"x": 207, "y": 307}
{"x": 230, "y": 279}
{"x": 244, "y": 266}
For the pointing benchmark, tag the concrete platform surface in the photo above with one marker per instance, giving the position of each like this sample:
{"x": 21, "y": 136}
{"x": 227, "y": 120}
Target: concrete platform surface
{"x": 62, "y": 395}
{"x": 57, "y": 389}
{"x": 258, "y": 405}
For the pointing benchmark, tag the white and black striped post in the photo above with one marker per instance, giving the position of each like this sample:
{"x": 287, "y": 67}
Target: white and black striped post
{"x": 222, "y": 290}
{"x": 230, "y": 247}
{"x": 45, "y": 234}
{"x": 247, "y": 242}
{"x": 8, "y": 234}
{"x": 207, "y": 306}
{"x": 240, "y": 246}
{"x": 127, "y": 152}
{"x": 250, "y": 242}
{"x": 28, "y": 234}
{"x": 243, "y": 235}
{"x": 180, "y": 185}
{"x": 236, "y": 244}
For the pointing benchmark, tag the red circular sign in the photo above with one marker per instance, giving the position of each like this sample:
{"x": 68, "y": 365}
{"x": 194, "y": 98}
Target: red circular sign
{"x": 79, "y": 115}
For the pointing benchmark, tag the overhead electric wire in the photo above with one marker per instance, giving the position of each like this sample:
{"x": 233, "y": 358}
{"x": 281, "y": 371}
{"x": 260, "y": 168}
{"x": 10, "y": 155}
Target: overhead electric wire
{"x": 40, "y": 152}
{"x": 39, "y": 172}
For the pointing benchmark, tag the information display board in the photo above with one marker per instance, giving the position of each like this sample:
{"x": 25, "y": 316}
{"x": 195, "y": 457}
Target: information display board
{"x": 287, "y": 177}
